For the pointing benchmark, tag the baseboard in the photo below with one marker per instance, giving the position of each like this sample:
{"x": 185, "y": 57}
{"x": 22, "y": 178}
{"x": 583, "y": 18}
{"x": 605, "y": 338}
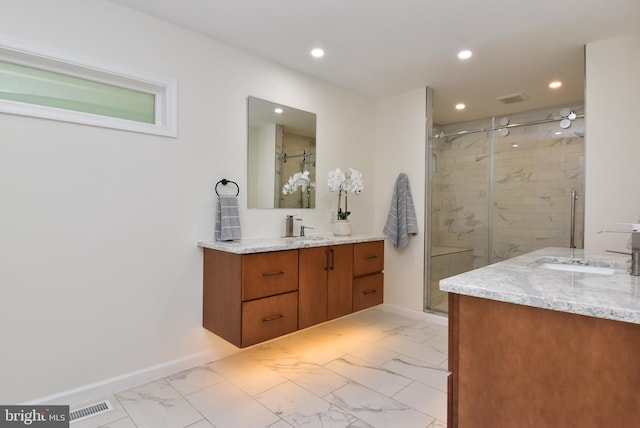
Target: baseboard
{"x": 128, "y": 380}
{"x": 419, "y": 315}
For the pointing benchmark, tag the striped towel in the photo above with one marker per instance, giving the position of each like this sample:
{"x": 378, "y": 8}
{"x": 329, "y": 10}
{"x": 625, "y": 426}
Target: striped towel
{"x": 227, "y": 219}
{"x": 401, "y": 221}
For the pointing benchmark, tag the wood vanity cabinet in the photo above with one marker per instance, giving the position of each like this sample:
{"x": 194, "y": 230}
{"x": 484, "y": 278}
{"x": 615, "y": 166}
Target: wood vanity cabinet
{"x": 520, "y": 366}
{"x": 250, "y": 298}
{"x": 325, "y": 283}
{"x": 368, "y": 281}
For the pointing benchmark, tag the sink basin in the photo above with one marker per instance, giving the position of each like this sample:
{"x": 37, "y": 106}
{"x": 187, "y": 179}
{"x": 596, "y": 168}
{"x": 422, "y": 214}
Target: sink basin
{"x": 576, "y": 265}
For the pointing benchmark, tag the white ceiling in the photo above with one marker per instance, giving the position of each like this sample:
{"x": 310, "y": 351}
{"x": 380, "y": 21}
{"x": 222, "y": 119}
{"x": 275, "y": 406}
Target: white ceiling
{"x": 381, "y": 48}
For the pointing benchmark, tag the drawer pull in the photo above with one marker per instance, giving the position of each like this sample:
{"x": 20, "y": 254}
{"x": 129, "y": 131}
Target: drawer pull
{"x": 372, "y": 291}
{"x": 267, "y": 275}
{"x": 326, "y": 265}
{"x": 370, "y": 257}
{"x": 273, "y": 318}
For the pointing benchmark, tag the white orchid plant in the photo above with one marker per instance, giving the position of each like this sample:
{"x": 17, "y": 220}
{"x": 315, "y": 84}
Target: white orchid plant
{"x": 299, "y": 179}
{"x": 343, "y": 184}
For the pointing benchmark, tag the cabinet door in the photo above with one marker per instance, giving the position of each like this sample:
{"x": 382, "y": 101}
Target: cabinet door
{"x": 312, "y": 285}
{"x": 340, "y": 281}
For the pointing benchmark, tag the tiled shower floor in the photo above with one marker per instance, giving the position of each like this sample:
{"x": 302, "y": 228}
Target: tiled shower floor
{"x": 375, "y": 368}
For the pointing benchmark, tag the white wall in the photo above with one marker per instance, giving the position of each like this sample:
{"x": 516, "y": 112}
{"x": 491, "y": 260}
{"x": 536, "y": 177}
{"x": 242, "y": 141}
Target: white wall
{"x": 612, "y": 140}
{"x": 99, "y": 269}
{"x": 401, "y": 147}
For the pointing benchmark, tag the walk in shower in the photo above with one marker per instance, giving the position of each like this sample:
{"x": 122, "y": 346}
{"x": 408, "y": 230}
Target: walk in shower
{"x": 501, "y": 187}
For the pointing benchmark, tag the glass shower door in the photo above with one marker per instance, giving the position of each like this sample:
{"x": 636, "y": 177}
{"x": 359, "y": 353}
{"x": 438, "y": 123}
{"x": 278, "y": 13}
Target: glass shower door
{"x": 460, "y": 199}
{"x": 536, "y": 169}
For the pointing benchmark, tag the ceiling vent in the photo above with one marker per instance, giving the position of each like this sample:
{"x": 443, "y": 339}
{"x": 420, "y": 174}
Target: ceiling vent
{"x": 518, "y": 97}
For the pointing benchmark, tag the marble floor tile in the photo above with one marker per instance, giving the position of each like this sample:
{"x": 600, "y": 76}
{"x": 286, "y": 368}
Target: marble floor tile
{"x": 374, "y": 377}
{"x": 157, "y": 405}
{"x": 201, "y": 424}
{"x": 122, "y": 423}
{"x": 417, "y": 332}
{"x": 282, "y": 424}
{"x": 373, "y": 354}
{"x": 374, "y": 368}
{"x": 188, "y": 381}
{"x": 344, "y": 336}
{"x": 439, "y": 343}
{"x": 313, "y": 350}
{"x": 247, "y": 374}
{"x": 376, "y": 409}
{"x": 420, "y": 371}
{"x": 310, "y": 376}
{"x": 425, "y": 399}
{"x": 413, "y": 349}
{"x": 301, "y": 408}
{"x": 227, "y": 406}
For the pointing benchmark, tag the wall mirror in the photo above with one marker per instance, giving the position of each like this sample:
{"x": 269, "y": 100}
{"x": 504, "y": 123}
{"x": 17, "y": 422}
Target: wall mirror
{"x": 281, "y": 144}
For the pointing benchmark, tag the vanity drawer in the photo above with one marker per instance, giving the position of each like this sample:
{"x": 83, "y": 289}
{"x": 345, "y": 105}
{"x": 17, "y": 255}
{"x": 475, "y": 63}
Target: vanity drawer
{"x": 264, "y": 319}
{"x": 268, "y": 274}
{"x": 368, "y": 291}
{"x": 368, "y": 257}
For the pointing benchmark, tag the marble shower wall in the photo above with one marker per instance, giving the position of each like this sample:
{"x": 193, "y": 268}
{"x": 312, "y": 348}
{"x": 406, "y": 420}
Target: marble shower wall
{"x": 534, "y": 171}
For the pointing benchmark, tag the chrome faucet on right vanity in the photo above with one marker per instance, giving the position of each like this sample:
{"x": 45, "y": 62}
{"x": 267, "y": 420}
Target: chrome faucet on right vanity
{"x": 635, "y": 247}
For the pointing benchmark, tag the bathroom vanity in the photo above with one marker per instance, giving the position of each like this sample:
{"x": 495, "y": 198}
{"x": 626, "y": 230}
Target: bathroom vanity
{"x": 547, "y": 339}
{"x": 258, "y": 289}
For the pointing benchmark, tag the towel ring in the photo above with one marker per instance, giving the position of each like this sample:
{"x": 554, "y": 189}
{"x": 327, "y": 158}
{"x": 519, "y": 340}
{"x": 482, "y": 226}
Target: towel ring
{"x": 224, "y": 182}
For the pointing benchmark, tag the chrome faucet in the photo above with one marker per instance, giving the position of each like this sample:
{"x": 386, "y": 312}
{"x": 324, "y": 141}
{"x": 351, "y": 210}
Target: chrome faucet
{"x": 635, "y": 247}
{"x": 302, "y": 228}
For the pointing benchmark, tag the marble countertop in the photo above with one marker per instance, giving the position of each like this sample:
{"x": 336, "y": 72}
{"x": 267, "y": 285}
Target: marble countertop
{"x": 262, "y": 245}
{"x": 522, "y": 281}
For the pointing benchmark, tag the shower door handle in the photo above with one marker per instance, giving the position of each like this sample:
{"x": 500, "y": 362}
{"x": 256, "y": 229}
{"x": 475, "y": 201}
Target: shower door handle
{"x": 572, "y": 236}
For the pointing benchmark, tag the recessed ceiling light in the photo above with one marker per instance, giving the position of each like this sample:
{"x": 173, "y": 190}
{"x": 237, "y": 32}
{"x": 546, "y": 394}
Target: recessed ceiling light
{"x": 555, "y": 84}
{"x": 465, "y": 54}
{"x": 277, "y": 110}
{"x": 317, "y": 53}
{"x": 460, "y": 106}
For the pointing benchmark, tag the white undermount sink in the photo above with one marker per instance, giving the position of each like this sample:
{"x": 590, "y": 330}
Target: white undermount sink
{"x": 576, "y": 265}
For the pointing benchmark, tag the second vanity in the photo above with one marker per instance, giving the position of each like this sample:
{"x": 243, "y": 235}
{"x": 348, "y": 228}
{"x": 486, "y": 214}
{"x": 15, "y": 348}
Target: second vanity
{"x": 258, "y": 289}
{"x": 546, "y": 339}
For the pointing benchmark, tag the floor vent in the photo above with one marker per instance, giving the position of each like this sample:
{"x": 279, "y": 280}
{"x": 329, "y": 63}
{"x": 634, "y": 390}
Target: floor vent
{"x": 90, "y": 411}
{"x": 512, "y": 98}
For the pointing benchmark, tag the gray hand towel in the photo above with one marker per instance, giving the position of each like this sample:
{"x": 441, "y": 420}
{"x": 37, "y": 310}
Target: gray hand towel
{"x": 227, "y": 219}
{"x": 401, "y": 221}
